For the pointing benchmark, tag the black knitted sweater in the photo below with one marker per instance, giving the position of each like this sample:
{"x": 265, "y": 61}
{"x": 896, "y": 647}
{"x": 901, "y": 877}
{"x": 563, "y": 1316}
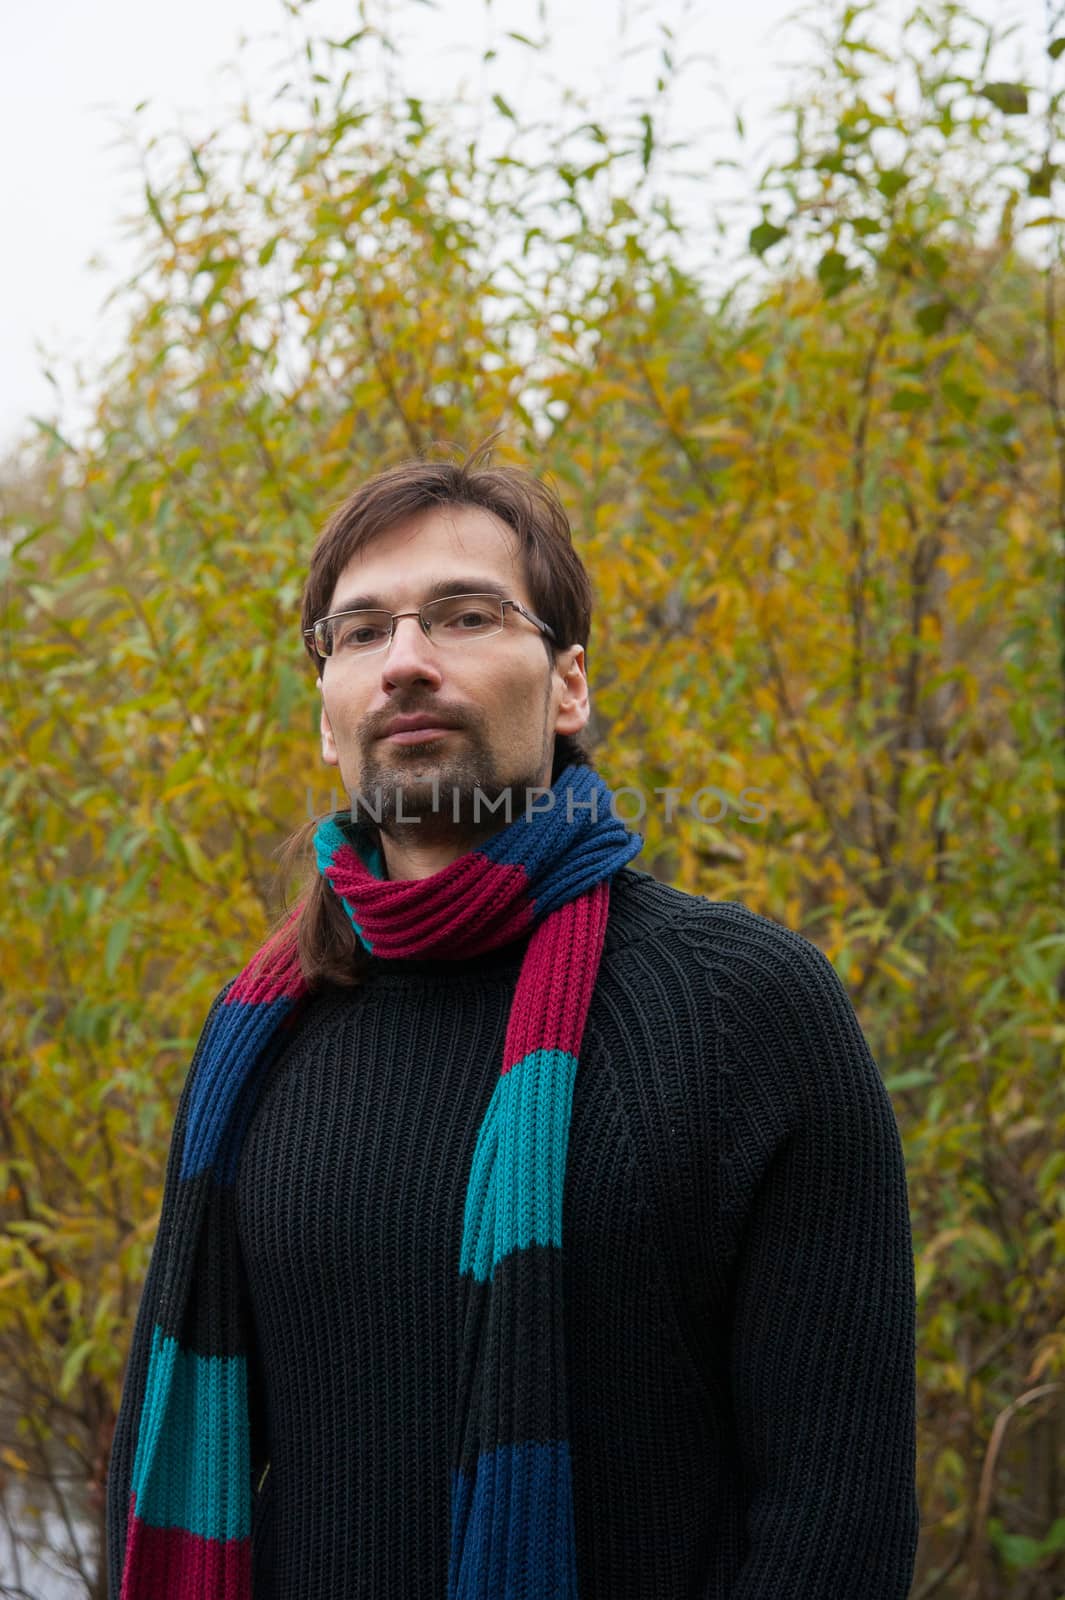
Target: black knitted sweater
{"x": 739, "y": 1281}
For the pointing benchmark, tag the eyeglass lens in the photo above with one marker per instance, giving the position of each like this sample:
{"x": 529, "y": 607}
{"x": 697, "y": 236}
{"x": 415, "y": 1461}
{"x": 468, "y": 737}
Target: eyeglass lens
{"x": 451, "y": 620}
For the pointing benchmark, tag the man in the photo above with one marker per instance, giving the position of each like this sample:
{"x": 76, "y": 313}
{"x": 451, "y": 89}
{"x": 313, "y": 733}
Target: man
{"x": 531, "y": 1228}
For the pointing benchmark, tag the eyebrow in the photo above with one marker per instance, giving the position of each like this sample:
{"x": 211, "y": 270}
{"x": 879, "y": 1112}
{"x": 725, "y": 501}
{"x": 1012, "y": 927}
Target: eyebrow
{"x": 435, "y": 591}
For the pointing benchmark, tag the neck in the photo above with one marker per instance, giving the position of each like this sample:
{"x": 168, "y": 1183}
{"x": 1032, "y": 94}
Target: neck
{"x": 409, "y": 856}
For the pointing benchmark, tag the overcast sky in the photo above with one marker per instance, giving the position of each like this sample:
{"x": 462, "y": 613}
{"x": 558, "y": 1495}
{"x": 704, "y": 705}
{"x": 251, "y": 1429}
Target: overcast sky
{"x": 71, "y": 73}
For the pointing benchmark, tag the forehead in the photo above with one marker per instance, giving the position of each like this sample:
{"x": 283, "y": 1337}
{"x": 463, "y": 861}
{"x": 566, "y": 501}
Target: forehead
{"x": 396, "y": 567}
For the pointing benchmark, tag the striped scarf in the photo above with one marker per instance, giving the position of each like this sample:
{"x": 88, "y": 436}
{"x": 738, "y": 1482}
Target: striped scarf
{"x": 512, "y": 1528}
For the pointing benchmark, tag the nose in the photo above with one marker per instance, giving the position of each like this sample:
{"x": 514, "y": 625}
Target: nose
{"x": 411, "y": 656}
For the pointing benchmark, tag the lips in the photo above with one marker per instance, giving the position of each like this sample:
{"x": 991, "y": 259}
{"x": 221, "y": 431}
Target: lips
{"x": 417, "y": 735}
{"x": 414, "y": 724}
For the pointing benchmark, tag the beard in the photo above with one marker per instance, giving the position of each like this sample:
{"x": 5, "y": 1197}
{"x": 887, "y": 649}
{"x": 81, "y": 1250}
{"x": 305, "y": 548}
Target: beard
{"x": 426, "y": 791}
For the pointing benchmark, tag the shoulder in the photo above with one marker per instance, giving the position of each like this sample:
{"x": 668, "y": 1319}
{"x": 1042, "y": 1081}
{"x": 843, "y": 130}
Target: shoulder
{"x": 752, "y": 979}
{"x": 721, "y": 932}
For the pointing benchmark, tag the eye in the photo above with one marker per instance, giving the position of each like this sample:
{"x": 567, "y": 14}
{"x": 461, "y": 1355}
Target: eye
{"x": 469, "y": 619}
{"x": 353, "y": 635}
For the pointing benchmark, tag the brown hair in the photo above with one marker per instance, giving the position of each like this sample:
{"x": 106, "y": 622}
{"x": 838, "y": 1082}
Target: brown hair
{"x": 559, "y": 592}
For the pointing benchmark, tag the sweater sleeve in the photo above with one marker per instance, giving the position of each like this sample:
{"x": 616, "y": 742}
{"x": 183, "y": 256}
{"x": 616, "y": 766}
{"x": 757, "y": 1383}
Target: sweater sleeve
{"x": 124, "y": 1442}
{"x": 822, "y": 1348}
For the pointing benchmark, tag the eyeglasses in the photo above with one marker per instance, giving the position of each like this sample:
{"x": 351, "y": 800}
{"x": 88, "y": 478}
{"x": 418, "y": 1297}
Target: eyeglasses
{"x": 451, "y": 621}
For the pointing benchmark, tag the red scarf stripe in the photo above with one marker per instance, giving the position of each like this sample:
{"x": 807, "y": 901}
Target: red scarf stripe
{"x": 473, "y": 905}
{"x": 274, "y": 972}
{"x": 554, "y": 989}
{"x": 170, "y": 1564}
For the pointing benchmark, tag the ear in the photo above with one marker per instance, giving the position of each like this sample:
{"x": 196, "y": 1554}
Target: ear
{"x": 571, "y": 684}
{"x": 329, "y": 749}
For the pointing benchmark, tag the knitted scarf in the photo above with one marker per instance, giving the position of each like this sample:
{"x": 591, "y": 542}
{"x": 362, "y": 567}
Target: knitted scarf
{"x": 188, "y": 1533}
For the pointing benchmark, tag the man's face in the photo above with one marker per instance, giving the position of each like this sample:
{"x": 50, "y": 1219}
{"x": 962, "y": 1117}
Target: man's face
{"x": 502, "y": 695}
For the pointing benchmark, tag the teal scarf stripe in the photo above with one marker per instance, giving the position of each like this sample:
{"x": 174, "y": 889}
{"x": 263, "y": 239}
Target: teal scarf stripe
{"x": 188, "y": 1399}
{"x": 330, "y": 836}
{"x": 514, "y": 1197}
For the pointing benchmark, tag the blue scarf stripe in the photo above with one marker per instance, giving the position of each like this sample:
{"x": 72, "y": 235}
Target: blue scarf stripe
{"x": 239, "y": 1033}
{"x": 586, "y": 851}
{"x": 201, "y": 1397}
{"x": 514, "y": 1196}
{"x": 227, "y": 1157}
{"x": 601, "y": 859}
{"x": 517, "y": 1513}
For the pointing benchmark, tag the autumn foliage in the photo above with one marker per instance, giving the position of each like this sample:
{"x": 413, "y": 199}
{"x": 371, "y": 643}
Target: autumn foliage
{"x": 823, "y": 510}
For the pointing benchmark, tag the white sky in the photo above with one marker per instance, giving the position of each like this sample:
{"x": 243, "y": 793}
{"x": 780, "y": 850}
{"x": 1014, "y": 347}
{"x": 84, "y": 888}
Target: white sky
{"x": 72, "y": 71}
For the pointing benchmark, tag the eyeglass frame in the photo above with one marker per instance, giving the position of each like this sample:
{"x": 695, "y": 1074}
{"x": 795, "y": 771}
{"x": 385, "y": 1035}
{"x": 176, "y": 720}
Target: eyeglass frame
{"x": 312, "y": 632}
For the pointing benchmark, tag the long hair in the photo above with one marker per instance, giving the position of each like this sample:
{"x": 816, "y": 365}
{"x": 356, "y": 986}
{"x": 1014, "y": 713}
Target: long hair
{"x": 560, "y": 593}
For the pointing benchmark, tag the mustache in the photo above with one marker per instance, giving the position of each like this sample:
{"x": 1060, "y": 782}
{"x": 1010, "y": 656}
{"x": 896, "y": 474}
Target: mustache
{"x": 454, "y": 717}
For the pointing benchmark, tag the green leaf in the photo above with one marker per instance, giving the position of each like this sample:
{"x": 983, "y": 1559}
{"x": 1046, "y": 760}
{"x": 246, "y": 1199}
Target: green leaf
{"x": 910, "y": 399}
{"x": 1055, "y": 48}
{"x": 1016, "y": 1549}
{"x": 221, "y": 271}
{"x": 648, "y": 142}
{"x": 117, "y": 940}
{"x": 913, "y": 1079}
{"x": 934, "y": 261}
{"x": 346, "y": 44}
{"x": 1010, "y": 98}
{"x": 831, "y": 265}
{"x": 964, "y": 399}
{"x": 1041, "y": 179}
{"x": 201, "y": 867}
{"x": 764, "y": 235}
{"x": 890, "y": 181}
{"x": 73, "y": 1365}
{"x": 1049, "y": 1173}
{"x": 931, "y": 316}
{"x": 834, "y": 274}
{"x": 503, "y": 108}
{"x": 153, "y": 207}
